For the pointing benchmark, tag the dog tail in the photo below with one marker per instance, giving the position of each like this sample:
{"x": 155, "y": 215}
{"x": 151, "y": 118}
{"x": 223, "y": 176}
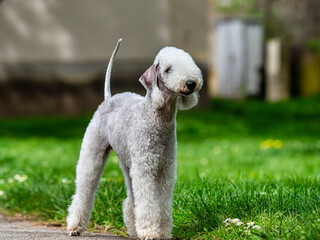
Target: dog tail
{"x": 107, "y": 91}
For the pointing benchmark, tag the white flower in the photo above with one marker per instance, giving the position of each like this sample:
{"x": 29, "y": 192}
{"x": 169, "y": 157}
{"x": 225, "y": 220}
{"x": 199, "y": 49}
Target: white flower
{"x": 227, "y": 220}
{"x": 263, "y": 193}
{"x": 20, "y": 178}
{"x": 247, "y": 232}
{"x": 1, "y": 193}
{"x": 256, "y": 227}
{"x": 250, "y": 224}
{"x": 64, "y": 180}
{"x": 237, "y": 221}
{"x": 2, "y": 181}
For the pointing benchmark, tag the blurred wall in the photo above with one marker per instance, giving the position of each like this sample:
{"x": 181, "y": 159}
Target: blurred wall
{"x": 53, "y": 53}
{"x": 81, "y": 30}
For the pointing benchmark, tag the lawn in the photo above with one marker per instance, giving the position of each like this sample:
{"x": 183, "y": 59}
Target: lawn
{"x": 249, "y": 161}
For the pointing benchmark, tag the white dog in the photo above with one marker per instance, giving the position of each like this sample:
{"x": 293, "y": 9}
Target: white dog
{"x": 142, "y": 132}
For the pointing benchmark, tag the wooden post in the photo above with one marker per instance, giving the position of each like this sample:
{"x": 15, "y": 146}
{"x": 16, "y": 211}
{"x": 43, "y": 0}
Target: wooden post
{"x": 310, "y": 74}
{"x": 277, "y": 85}
{"x": 212, "y": 17}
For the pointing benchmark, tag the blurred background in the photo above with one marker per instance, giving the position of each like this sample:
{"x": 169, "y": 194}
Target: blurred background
{"x": 53, "y": 53}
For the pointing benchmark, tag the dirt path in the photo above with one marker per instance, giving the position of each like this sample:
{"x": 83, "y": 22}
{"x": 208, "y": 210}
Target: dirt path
{"x": 17, "y": 229}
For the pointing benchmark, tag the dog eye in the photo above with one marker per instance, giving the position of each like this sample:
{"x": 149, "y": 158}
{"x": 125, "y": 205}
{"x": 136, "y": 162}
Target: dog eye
{"x": 168, "y": 69}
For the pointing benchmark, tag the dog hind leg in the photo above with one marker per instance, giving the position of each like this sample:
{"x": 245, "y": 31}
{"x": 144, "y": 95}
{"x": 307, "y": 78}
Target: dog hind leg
{"x": 93, "y": 155}
{"x": 128, "y": 204}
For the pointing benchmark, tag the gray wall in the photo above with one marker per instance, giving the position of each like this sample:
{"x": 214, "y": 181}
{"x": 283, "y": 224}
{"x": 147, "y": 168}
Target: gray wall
{"x": 66, "y": 44}
{"x": 82, "y": 30}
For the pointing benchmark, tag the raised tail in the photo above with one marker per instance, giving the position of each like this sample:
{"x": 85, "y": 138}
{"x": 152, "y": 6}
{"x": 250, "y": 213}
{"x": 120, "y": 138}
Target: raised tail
{"x": 107, "y": 91}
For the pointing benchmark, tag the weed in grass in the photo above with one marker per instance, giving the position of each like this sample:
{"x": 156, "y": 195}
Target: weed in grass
{"x": 240, "y": 229}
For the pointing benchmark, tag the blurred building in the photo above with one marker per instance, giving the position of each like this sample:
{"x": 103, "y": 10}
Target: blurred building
{"x": 53, "y": 53}
{"x": 294, "y": 24}
{"x": 239, "y": 51}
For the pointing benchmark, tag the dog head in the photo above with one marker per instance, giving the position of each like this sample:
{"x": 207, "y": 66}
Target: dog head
{"x": 174, "y": 72}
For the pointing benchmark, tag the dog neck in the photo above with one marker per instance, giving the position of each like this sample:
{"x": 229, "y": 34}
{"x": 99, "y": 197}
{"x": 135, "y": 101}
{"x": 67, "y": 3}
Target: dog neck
{"x": 169, "y": 109}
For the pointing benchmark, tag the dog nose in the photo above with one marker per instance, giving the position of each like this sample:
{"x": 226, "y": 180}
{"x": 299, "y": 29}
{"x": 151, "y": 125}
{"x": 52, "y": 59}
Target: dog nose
{"x": 191, "y": 85}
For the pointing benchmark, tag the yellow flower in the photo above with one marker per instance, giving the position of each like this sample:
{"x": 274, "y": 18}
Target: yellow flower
{"x": 119, "y": 179}
{"x": 270, "y": 143}
{"x": 266, "y": 144}
{"x": 277, "y": 144}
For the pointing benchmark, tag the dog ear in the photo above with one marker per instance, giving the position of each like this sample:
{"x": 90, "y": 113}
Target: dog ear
{"x": 187, "y": 102}
{"x": 149, "y": 81}
{"x": 149, "y": 78}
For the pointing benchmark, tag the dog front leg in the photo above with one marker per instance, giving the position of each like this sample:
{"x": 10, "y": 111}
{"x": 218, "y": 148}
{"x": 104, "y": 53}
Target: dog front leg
{"x": 146, "y": 205}
{"x": 165, "y": 186}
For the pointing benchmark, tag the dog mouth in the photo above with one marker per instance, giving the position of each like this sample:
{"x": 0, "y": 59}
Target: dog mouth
{"x": 186, "y": 93}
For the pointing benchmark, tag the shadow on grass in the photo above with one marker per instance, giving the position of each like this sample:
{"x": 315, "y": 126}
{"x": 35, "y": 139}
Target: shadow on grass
{"x": 226, "y": 118}
{"x": 236, "y": 119}
{"x": 52, "y": 127}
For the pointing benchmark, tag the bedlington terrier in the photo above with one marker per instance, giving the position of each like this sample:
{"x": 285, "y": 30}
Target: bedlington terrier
{"x": 142, "y": 132}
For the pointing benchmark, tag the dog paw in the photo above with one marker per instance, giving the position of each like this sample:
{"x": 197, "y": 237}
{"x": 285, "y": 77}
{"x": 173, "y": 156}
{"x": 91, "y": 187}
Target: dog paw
{"x": 149, "y": 237}
{"x": 149, "y": 234}
{"x": 75, "y": 233}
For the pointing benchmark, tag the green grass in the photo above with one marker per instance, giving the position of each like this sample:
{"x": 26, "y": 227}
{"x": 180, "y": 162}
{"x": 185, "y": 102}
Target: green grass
{"x": 249, "y": 160}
